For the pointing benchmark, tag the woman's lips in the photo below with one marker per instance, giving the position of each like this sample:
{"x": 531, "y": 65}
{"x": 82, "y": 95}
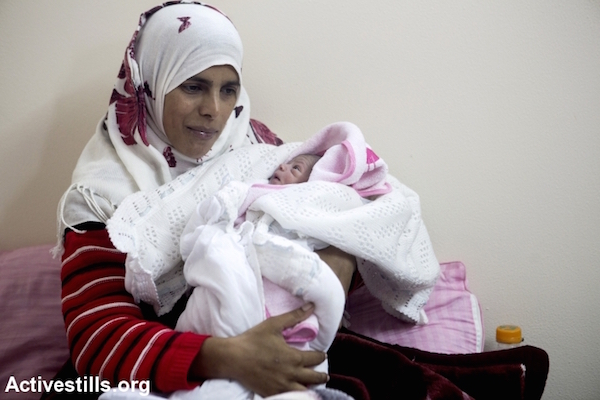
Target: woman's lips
{"x": 202, "y": 133}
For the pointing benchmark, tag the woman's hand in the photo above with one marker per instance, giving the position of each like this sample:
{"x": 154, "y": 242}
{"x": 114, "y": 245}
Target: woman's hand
{"x": 342, "y": 264}
{"x": 260, "y": 359}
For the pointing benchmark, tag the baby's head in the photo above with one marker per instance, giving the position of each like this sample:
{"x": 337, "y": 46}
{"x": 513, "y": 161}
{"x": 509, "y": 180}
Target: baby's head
{"x": 297, "y": 170}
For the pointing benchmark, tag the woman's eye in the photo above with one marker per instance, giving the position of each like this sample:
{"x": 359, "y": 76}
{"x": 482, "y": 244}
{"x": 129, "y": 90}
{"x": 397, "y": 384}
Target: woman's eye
{"x": 230, "y": 91}
{"x": 191, "y": 88}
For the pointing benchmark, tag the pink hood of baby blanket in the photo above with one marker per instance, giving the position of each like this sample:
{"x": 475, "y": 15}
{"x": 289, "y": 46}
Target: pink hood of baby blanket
{"x": 347, "y": 159}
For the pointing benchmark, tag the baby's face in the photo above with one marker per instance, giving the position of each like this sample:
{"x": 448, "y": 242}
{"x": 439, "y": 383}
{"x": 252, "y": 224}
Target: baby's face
{"x": 297, "y": 170}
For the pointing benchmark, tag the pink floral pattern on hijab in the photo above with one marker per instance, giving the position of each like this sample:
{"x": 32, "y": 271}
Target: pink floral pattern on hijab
{"x": 185, "y": 23}
{"x": 130, "y": 107}
{"x": 264, "y": 134}
{"x": 170, "y": 157}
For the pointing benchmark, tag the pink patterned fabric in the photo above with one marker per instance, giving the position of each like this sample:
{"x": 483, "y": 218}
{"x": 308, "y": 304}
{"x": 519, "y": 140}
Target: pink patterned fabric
{"x": 455, "y": 324}
{"x": 32, "y": 334}
{"x": 263, "y": 133}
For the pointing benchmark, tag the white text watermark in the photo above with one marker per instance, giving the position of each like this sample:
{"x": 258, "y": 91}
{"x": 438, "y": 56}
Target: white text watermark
{"x": 86, "y": 384}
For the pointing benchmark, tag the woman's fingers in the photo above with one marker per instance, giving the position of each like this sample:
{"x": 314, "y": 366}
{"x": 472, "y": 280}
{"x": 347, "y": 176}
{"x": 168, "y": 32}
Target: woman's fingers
{"x": 291, "y": 318}
{"x": 313, "y": 358}
{"x": 261, "y": 360}
{"x": 309, "y": 376}
{"x": 282, "y": 368}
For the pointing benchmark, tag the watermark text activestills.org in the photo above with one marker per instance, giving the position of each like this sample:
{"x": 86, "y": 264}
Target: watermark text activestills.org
{"x": 86, "y": 384}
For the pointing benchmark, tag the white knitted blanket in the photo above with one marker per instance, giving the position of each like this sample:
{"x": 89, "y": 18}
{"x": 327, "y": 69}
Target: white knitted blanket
{"x": 387, "y": 235}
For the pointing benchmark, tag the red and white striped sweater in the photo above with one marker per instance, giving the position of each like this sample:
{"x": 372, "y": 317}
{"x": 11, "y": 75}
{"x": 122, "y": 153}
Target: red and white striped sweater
{"x": 107, "y": 333}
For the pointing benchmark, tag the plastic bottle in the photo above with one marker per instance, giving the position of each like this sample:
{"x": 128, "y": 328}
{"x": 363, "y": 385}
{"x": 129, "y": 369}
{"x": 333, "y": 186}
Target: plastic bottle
{"x": 508, "y": 336}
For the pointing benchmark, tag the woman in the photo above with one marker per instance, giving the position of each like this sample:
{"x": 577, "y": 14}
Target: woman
{"x": 179, "y": 103}
{"x": 177, "y": 111}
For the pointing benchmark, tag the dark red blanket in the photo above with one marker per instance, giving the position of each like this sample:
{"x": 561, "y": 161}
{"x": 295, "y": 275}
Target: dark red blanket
{"x": 371, "y": 370}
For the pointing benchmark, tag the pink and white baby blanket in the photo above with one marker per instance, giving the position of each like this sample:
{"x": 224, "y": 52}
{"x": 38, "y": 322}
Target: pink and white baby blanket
{"x": 387, "y": 235}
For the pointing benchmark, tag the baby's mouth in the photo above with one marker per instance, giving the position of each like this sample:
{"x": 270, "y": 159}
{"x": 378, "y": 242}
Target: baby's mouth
{"x": 274, "y": 179}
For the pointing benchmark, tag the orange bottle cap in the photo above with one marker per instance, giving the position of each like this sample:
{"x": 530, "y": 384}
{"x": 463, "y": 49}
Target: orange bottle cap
{"x": 508, "y": 334}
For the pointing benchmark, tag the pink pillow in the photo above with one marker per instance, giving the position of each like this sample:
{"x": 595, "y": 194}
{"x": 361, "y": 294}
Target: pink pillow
{"x": 32, "y": 333}
{"x": 455, "y": 322}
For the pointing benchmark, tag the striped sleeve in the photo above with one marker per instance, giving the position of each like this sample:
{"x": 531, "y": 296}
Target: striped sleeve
{"x": 107, "y": 333}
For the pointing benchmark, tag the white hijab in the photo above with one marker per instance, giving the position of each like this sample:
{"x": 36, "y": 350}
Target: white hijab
{"x": 130, "y": 151}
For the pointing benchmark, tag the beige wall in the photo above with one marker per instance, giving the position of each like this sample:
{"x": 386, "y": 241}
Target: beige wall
{"x": 489, "y": 110}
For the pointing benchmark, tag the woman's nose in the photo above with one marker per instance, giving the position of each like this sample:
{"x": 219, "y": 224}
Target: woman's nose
{"x": 210, "y": 105}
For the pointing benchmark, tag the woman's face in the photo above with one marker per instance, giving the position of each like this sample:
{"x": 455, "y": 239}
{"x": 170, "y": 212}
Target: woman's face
{"x": 196, "y": 112}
